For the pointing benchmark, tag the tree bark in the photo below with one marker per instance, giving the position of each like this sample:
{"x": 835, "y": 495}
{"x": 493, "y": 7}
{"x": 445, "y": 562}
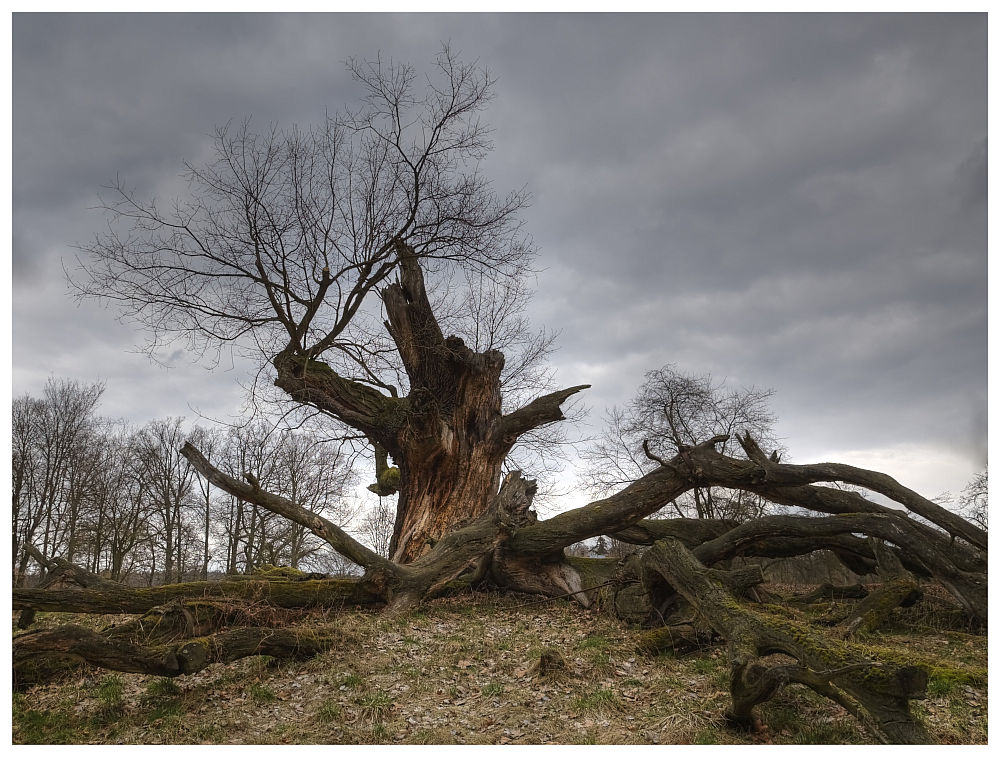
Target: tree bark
{"x": 877, "y": 692}
{"x": 32, "y": 649}
{"x": 448, "y": 436}
{"x": 286, "y": 594}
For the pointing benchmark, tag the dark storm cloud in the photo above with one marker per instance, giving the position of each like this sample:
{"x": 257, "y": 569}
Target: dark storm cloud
{"x": 790, "y": 201}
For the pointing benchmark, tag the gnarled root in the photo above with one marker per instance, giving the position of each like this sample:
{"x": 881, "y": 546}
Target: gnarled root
{"x": 877, "y": 693}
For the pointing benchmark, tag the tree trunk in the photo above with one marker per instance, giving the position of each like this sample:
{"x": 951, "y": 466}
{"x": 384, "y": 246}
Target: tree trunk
{"x": 448, "y": 436}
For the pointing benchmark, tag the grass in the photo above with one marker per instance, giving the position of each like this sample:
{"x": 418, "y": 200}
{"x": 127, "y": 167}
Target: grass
{"x": 329, "y": 712}
{"x": 375, "y": 705}
{"x": 261, "y": 694}
{"x": 163, "y": 687}
{"x": 109, "y": 694}
{"x": 602, "y": 699}
{"x": 493, "y": 689}
{"x": 459, "y": 672}
{"x": 352, "y": 681}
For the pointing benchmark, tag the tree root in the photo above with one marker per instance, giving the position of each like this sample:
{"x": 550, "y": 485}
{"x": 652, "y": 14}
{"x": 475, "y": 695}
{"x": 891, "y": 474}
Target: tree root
{"x": 877, "y": 693}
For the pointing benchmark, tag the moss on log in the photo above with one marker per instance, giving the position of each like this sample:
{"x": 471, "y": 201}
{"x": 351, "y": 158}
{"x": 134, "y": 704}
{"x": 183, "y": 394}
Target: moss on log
{"x": 38, "y": 651}
{"x": 876, "y": 692}
{"x": 331, "y": 592}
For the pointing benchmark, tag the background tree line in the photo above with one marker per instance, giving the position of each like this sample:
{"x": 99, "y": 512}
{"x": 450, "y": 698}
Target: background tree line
{"x": 121, "y": 500}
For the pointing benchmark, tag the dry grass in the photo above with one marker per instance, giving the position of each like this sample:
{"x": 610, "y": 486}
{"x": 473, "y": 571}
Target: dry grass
{"x": 461, "y": 671}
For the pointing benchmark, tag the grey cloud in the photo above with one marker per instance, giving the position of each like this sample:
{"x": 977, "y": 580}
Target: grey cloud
{"x": 796, "y": 201}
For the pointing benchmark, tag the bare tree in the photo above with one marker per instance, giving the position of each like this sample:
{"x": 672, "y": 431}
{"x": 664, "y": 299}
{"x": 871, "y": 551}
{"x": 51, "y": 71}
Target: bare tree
{"x": 376, "y": 526}
{"x": 671, "y": 412}
{"x": 51, "y": 466}
{"x": 169, "y": 482}
{"x": 284, "y": 237}
{"x": 974, "y": 500}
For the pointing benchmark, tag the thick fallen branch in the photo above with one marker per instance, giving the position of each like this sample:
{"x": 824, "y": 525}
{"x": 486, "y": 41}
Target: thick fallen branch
{"x": 169, "y": 660}
{"x": 900, "y": 589}
{"x": 968, "y": 587}
{"x": 783, "y": 474}
{"x": 332, "y": 534}
{"x": 59, "y": 570}
{"x": 121, "y": 599}
{"x": 829, "y": 591}
{"x": 836, "y": 670}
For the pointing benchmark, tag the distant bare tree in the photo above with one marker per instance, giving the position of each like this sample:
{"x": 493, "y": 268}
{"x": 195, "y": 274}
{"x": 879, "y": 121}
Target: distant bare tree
{"x": 169, "y": 482}
{"x": 974, "y": 500}
{"x": 376, "y": 525}
{"x": 672, "y": 411}
{"x": 52, "y": 466}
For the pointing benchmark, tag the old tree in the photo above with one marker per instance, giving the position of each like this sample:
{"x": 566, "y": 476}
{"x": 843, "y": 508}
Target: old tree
{"x": 375, "y": 275}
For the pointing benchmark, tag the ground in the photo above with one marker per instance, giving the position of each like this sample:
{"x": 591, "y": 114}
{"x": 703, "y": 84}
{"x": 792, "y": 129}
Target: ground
{"x": 461, "y": 670}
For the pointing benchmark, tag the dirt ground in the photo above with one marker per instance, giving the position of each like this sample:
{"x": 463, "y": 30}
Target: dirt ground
{"x": 463, "y": 671}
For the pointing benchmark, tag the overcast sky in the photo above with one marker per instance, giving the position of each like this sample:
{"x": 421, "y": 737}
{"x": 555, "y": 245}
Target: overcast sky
{"x": 796, "y": 202}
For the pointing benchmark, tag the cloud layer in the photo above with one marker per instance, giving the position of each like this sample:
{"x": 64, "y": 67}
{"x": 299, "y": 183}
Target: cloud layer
{"x": 796, "y": 202}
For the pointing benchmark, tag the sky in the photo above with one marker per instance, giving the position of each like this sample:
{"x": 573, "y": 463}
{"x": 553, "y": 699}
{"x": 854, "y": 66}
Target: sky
{"x": 796, "y": 202}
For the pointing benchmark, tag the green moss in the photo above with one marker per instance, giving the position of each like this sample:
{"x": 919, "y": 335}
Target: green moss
{"x": 388, "y": 482}
{"x": 278, "y": 572}
{"x": 942, "y": 681}
{"x": 321, "y": 368}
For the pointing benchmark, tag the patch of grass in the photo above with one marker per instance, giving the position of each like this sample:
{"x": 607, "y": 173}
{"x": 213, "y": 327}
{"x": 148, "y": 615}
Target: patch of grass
{"x": 163, "y": 687}
{"x": 705, "y": 665}
{"x": 375, "y": 705}
{"x": 595, "y": 641}
{"x": 352, "y": 681}
{"x": 260, "y": 693}
{"x": 330, "y": 712}
{"x": 110, "y": 690}
{"x": 109, "y": 696}
{"x": 210, "y": 733}
{"x": 167, "y": 709}
{"x": 602, "y": 699}
{"x": 493, "y": 689}
{"x": 45, "y": 727}
{"x": 706, "y": 736}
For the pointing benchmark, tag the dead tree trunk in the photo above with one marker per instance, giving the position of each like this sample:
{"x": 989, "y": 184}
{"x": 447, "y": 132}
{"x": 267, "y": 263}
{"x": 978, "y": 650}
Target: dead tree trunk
{"x": 448, "y": 436}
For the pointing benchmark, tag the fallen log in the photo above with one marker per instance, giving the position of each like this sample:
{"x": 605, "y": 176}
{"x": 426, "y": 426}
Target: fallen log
{"x": 113, "y": 599}
{"x": 878, "y": 693}
{"x": 829, "y": 591}
{"x": 184, "y": 658}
